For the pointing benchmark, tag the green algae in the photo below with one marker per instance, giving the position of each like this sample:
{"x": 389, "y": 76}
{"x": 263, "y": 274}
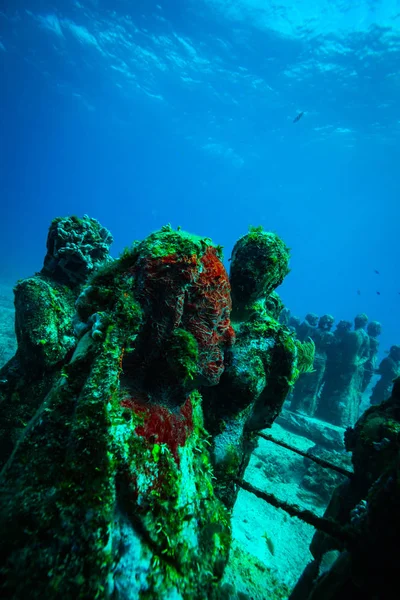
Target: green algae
{"x": 183, "y": 354}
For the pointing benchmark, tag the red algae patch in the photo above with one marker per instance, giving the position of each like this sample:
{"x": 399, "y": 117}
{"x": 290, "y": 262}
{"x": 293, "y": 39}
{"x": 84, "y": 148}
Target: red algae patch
{"x": 161, "y": 425}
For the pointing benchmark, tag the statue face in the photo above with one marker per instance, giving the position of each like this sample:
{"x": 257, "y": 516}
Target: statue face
{"x": 360, "y": 321}
{"x": 374, "y": 329}
{"x": 312, "y": 319}
{"x": 326, "y": 322}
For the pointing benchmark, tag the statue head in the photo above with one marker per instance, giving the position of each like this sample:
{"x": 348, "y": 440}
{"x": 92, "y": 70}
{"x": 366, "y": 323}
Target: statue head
{"x": 343, "y": 327}
{"x": 325, "y": 323}
{"x": 360, "y": 321}
{"x": 374, "y": 328}
{"x": 75, "y": 248}
{"x": 294, "y": 322}
{"x": 184, "y": 292}
{"x": 259, "y": 263}
{"x": 312, "y": 319}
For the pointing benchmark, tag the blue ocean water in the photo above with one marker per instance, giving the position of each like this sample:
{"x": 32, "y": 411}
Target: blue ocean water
{"x": 143, "y": 113}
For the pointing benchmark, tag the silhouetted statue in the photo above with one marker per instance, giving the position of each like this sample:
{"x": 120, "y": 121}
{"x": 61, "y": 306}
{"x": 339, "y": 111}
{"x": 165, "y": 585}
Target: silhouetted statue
{"x": 336, "y": 364}
{"x": 374, "y": 329}
{"x": 307, "y": 328}
{"x": 308, "y": 387}
{"x": 389, "y": 369}
{"x": 362, "y": 344}
{"x": 294, "y": 324}
{"x": 340, "y": 398}
{"x": 284, "y": 316}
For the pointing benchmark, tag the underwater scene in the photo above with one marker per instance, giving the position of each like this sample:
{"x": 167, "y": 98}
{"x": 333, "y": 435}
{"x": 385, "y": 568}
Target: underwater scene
{"x": 199, "y": 299}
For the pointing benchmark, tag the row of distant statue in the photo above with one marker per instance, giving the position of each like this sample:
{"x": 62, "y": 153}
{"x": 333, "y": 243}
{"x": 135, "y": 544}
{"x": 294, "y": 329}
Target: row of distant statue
{"x": 345, "y": 361}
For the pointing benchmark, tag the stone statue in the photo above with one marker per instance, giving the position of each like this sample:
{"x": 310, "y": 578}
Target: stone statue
{"x": 336, "y": 364}
{"x": 260, "y": 368}
{"x": 294, "y": 324}
{"x": 109, "y": 493}
{"x": 388, "y": 370}
{"x": 44, "y": 311}
{"x": 341, "y": 394}
{"x": 307, "y": 327}
{"x": 307, "y": 390}
{"x": 374, "y": 329}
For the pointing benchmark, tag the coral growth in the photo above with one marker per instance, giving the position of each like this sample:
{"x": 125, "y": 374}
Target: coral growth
{"x": 75, "y": 248}
{"x": 180, "y": 280}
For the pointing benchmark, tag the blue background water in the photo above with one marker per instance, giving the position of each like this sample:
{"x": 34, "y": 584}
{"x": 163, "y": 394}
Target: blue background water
{"x": 141, "y": 113}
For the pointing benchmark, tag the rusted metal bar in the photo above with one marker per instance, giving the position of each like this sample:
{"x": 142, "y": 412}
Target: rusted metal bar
{"x": 328, "y": 526}
{"x": 316, "y": 459}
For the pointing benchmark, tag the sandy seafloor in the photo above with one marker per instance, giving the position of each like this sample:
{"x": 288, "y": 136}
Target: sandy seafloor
{"x": 258, "y": 569}
{"x": 270, "y": 549}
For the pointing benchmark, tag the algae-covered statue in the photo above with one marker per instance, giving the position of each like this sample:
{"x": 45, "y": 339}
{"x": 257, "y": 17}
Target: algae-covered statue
{"x": 307, "y": 327}
{"x": 374, "y": 329}
{"x": 341, "y": 394}
{"x": 330, "y": 401}
{"x": 261, "y": 367}
{"x": 362, "y": 345}
{"x": 307, "y": 390}
{"x": 109, "y": 492}
{"x": 44, "y": 310}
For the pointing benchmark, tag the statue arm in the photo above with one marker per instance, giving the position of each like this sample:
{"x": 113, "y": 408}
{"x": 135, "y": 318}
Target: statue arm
{"x": 279, "y": 366}
{"x": 42, "y": 323}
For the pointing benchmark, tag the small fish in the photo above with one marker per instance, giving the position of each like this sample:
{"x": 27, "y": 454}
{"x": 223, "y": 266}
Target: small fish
{"x": 378, "y": 293}
{"x": 358, "y": 293}
{"x": 298, "y": 117}
{"x": 269, "y": 542}
{"x": 377, "y": 272}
